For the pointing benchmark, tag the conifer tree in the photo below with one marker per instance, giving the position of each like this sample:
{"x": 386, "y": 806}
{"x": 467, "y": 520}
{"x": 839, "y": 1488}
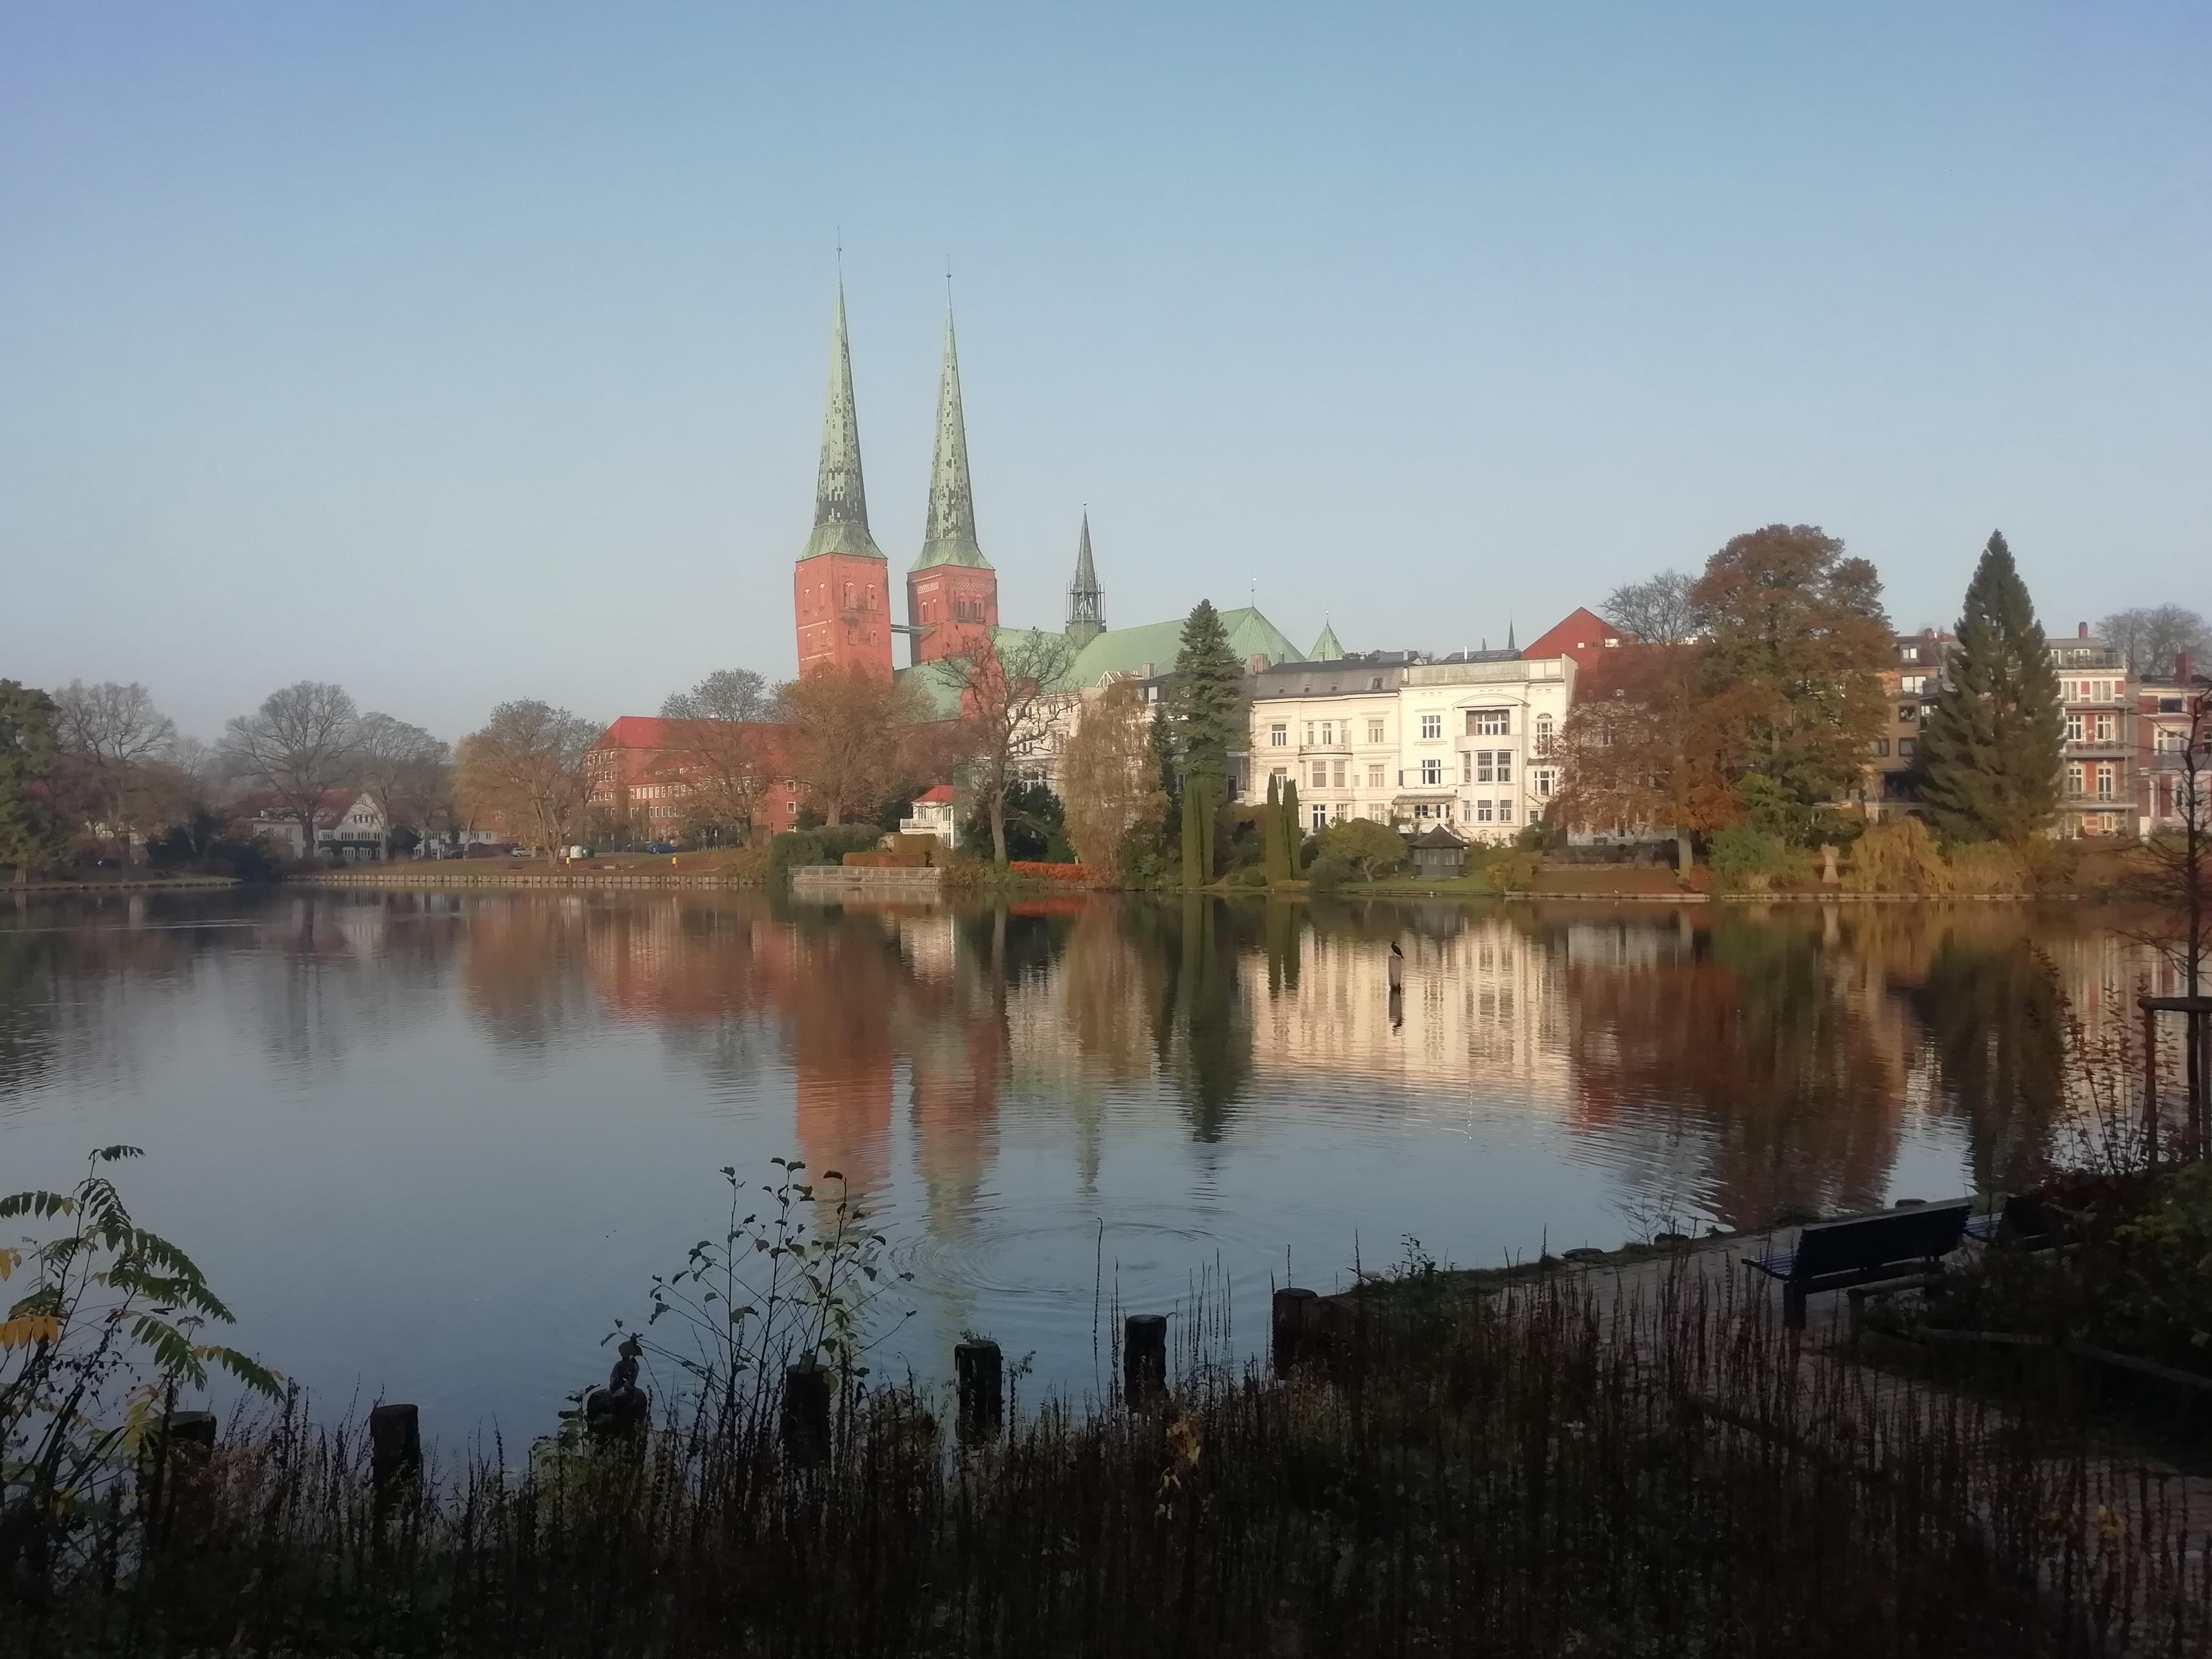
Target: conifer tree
{"x": 1988, "y": 755}
{"x": 1207, "y": 696}
{"x": 31, "y": 834}
{"x": 1294, "y": 836}
{"x": 1275, "y": 844}
{"x": 1169, "y": 759}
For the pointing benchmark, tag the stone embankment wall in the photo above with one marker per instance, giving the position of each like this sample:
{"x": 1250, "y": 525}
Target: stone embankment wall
{"x": 408, "y": 877}
{"x": 840, "y": 881}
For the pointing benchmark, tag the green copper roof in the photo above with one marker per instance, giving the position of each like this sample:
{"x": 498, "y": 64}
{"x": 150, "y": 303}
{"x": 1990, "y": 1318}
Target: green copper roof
{"x": 1123, "y": 651}
{"x": 841, "y": 498}
{"x": 1326, "y": 649}
{"x": 950, "y": 537}
{"x": 1126, "y": 650}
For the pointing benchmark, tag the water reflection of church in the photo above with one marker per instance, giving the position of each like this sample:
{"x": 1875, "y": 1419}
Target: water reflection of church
{"x": 1747, "y": 1061}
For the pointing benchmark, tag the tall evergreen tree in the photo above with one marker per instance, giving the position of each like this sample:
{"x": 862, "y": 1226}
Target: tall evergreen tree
{"x": 1169, "y": 761}
{"x": 1988, "y": 755}
{"x": 1294, "y": 836}
{"x": 31, "y": 832}
{"x": 1274, "y": 844}
{"x": 1207, "y": 696}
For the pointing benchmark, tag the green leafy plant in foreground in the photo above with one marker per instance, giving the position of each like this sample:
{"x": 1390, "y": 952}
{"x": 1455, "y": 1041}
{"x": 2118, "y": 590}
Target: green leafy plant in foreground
{"x": 797, "y": 1281}
{"x": 102, "y": 1337}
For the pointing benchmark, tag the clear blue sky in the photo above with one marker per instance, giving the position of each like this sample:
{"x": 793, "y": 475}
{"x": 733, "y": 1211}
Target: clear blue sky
{"x": 458, "y": 353}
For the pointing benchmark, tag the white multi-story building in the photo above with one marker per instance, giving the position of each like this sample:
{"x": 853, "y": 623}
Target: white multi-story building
{"x": 1395, "y": 737}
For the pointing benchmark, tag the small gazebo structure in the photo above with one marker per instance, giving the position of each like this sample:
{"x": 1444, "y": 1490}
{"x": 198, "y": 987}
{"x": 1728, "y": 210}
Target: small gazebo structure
{"x": 1438, "y": 852}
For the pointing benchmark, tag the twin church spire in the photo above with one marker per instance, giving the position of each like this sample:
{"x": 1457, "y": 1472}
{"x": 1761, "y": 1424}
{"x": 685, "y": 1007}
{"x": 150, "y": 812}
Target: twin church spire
{"x": 949, "y": 538}
{"x": 841, "y": 495}
{"x": 952, "y": 591}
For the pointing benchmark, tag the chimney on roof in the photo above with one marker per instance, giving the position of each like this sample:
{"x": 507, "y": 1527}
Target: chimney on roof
{"x": 2080, "y": 630}
{"x": 2185, "y": 667}
{"x": 1256, "y": 663}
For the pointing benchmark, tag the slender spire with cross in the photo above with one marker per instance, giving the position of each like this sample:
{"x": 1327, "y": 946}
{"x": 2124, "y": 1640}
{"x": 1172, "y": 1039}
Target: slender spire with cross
{"x": 949, "y": 538}
{"x": 840, "y": 496}
{"x": 1086, "y": 600}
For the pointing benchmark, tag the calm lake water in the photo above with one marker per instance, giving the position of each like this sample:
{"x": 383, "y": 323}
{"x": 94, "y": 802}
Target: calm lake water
{"x": 429, "y": 1146}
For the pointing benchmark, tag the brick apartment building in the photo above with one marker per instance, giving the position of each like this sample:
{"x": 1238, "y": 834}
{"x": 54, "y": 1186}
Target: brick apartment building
{"x": 2164, "y": 713}
{"x": 1909, "y": 685}
{"x": 639, "y": 775}
{"x": 2097, "y": 789}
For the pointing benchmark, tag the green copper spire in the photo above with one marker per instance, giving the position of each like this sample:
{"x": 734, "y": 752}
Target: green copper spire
{"x": 1326, "y": 649}
{"x": 950, "y": 537}
{"x": 1086, "y": 600}
{"x": 840, "y": 499}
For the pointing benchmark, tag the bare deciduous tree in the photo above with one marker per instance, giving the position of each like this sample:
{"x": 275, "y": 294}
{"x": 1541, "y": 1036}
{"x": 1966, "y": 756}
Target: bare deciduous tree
{"x": 525, "y": 771}
{"x": 1657, "y": 612}
{"x": 2151, "y": 637}
{"x": 727, "y": 694}
{"x": 721, "y": 750}
{"x": 1010, "y": 691}
{"x": 112, "y": 738}
{"x": 402, "y": 768}
{"x": 298, "y": 745}
{"x": 1110, "y": 776}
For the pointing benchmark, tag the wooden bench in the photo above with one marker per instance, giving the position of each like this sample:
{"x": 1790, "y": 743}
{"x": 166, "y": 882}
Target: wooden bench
{"x": 1834, "y": 1255}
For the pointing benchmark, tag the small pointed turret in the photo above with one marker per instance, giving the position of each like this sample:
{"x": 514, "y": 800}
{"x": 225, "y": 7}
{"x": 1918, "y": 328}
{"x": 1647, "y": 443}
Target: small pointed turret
{"x": 950, "y": 536}
{"x": 841, "y": 498}
{"x": 1509, "y": 646}
{"x": 1086, "y": 600}
{"x": 1326, "y": 649}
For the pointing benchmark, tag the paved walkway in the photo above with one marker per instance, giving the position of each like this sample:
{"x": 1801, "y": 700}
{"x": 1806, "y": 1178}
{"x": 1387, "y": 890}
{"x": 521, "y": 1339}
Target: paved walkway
{"x": 2128, "y": 1489}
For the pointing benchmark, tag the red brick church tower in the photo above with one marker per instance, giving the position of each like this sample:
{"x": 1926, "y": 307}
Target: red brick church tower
{"x": 840, "y": 591}
{"x": 951, "y": 592}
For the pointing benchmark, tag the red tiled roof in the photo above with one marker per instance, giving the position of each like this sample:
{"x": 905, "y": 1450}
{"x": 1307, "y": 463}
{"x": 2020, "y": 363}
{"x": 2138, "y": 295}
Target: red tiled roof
{"x": 1580, "y": 633}
{"x": 937, "y": 797}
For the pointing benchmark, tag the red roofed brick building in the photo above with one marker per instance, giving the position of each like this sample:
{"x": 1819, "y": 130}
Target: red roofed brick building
{"x": 646, "y": 772}
{"x": 1582, "y": 634}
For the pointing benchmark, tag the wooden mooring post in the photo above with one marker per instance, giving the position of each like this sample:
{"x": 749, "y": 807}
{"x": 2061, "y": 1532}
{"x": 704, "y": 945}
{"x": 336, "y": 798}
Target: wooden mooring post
{"x": 1293, "y": 1317}
{"x": 981, "y": 1371}
{"x": 1144, "y": 1358}
{"x": 395, "y": 1447}
{"x": 806, "y": 1413}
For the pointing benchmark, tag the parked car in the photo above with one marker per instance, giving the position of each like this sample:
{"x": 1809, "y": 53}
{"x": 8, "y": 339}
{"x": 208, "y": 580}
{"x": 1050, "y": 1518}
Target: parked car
{"x": 661, "y": 847}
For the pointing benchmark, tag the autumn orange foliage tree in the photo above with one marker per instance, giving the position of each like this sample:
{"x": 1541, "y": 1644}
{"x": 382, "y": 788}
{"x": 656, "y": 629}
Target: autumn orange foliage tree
{"x": 1795, "y": 639}
{"x": 1645, "y": 746}
{"x": 1771, "y": 711}
{"x": 848, "y": 732}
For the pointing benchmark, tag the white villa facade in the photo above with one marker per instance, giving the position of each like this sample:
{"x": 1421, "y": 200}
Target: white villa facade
{"x": 1464, "y": 740}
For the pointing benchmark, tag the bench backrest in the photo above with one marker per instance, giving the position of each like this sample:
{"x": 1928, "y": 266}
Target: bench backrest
{"x": 1874, "y": 1241}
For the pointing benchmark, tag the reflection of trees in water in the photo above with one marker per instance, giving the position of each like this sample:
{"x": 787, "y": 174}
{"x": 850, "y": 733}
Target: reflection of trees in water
{"x": 1209, "y": 1036}
{"x": 1762, "y": 1049}
{"x": 1992, "y": 1019}
{"x": 526, "y": 974}
{"x": 30, "y": 991}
